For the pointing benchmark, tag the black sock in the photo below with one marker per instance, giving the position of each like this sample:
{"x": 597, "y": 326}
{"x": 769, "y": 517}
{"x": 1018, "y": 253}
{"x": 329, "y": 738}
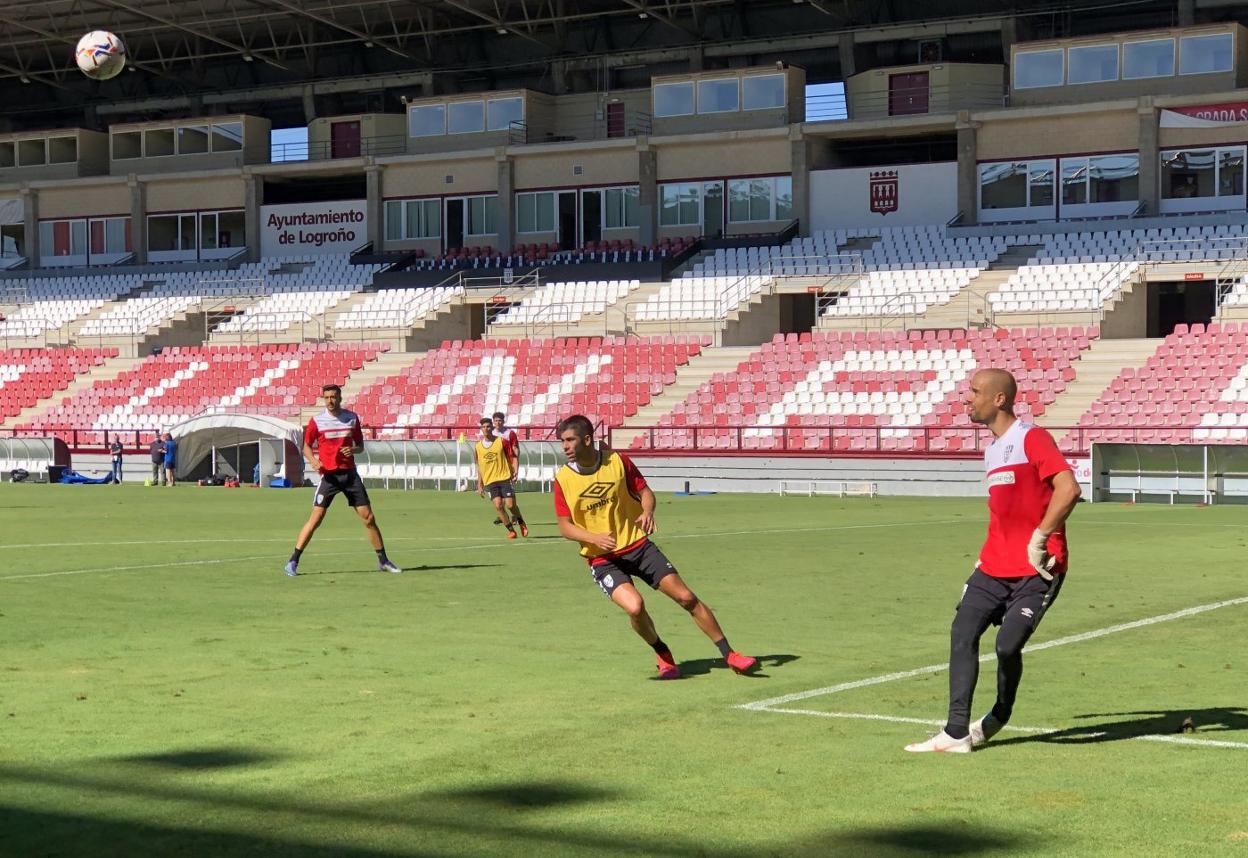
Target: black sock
{"x": 660, "y": 648}
{"x": 952, "y": 732}
{"x": 511, "y": 525}
{"x": 518, "y": 520}
{"x": 294, "y": 557}
{"x": 998, "y": 712}
{"x": 722, "y": 646}
{"x": 381, "y": 556}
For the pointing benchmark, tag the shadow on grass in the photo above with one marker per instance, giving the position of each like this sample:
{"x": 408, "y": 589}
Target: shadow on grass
{"x": 484, "y": 820}
{"x": 406, "y": 569}
{"x": 703, "y": 666}
{"x": 211, "y": 758}
{"x": 906, "y": 840}
{"x": 1133, "y": 725}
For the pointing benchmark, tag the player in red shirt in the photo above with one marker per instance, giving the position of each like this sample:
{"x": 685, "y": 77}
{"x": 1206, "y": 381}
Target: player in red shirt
{"x": 330, "y": 442}
{"x": 1031, "y": 493}
{"x": 511, "y": 446}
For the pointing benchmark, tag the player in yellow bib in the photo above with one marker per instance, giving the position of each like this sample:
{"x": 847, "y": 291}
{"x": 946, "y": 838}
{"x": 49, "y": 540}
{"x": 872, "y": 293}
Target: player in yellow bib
{"x": 494, "y": 475}
{"x": 602, "y": 501}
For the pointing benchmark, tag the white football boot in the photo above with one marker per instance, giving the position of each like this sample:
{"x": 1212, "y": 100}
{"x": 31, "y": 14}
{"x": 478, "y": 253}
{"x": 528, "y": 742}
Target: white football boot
{"x": 942, "y": 742}
{"x": 984, "y": 729}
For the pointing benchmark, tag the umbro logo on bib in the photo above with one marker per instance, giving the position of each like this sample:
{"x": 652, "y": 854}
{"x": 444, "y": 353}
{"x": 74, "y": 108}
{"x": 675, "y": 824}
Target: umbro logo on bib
{"x": 596, "y": 490}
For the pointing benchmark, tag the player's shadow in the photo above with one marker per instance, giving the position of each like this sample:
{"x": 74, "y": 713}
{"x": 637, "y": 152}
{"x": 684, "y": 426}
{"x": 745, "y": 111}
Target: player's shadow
{"x": 406, "y": 570}
{"x": 894, "y": 841}
{"x": 703, "y": 666}
{"x": 202, "y": 760}
{"x": 1134, "y": 725}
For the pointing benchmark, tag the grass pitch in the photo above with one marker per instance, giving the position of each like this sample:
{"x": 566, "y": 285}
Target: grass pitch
{"x": 165, "y": 690}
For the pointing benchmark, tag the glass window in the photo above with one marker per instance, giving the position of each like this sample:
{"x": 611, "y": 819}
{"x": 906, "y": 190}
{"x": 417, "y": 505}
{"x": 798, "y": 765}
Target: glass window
{"x": 426, "y": 120}
{"x": 117, "y": 235}
{"x": 738, "y": 201}
{"x": 504, "y": 111}
{"x": 208, "y": 231}
{"x": 1113, "y": 178}
{"x": 1230, "y": 172}
{"x": 62, "y": 150}
{"x": 8, "y": 154}
{"x": 1040, "y": 183}
{"x": 32, "y": 153}
{"x": 63, "y": 237}
{"x": 227, "y": 136}
{"x": 535, "y": 212}
{"x": 763, "y": 91}
{"x": 680, "y": 205}
{"x": 158, "y": 142}
{"x": 1074, "y": 181}
{"x": 482, "y": 215}
{"x": 1154, "y": 58}
{"x": 1206, "y": 54}
{"x": 1038, "y": 68}
{"x": 127, "y": 144}
{"x": 621, "y": 207}
{"x": 394, "y": 220}
{"x": 192, "y": 139}
{"x": 717, "y": 96}
{"x": 423, "y": 219}
{"x": 673, "y": 99}
{"x": 465, "y": 117}
{"x": 1002, "y": 186}
{"x": 1188, "y": 173}
{"x": 1092, "y": 64}
{"x": 784, "y": 198}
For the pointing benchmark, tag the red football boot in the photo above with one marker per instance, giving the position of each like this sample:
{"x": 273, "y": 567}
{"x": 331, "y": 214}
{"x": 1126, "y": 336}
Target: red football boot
{"x": 741, "y": 663}
{"x": 667, "y": 666}
{"x": 524, "y": 529}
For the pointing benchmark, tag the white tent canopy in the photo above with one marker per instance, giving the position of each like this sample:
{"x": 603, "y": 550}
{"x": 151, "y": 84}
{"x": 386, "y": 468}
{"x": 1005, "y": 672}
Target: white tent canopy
{"x": 280, "y": 441}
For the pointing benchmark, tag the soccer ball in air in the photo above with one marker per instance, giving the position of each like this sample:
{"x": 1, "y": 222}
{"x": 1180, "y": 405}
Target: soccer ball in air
{"x": 100, "y": 55}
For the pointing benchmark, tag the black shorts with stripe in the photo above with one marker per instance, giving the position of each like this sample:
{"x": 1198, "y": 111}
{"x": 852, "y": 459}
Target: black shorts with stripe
{"x": 347, "y": 483}
{"x": 501, "y": 489}
{"x": 645, "y": 561}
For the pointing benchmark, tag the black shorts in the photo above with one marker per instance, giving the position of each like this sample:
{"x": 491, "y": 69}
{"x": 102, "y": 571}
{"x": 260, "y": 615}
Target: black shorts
{"x": 645, "y": 561}
{"x": 501, "y": 489}
{"x": 341, "y": 482}
{"x": 994, "y": 597}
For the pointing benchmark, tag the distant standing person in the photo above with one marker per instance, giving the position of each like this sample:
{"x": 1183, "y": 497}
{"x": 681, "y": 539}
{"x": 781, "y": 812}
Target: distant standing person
{"x": 330, "y": 442}
{"x": 602, "y": 502}
{"x": 511, "y": 448}
{"x": 1031, "y": 493}
{"x": 171, "y": 459}
{"x": 157, "y": 449}
{"x": 115, "y": 450}
{"x": 494, "y": 473}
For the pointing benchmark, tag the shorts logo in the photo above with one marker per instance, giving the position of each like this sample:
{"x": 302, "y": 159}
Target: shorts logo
{"x": 1003, "y": 478}
{"x": 608, "y": 581}
{"x": 1027, "y": 612}
{"x": 596, "y": 490}
{"x": 319, "y": 498}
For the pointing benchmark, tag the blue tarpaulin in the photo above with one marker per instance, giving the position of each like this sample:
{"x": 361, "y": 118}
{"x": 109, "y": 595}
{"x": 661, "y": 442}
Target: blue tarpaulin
{"x": 75, "y": 478}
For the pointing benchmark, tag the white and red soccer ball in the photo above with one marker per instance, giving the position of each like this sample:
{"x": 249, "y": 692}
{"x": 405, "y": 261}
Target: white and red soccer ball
{"x": 100, "y": 55}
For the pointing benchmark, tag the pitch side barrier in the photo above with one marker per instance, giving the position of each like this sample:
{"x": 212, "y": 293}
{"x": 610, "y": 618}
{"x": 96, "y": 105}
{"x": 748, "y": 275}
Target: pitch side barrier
{"x": 450, "y": 464}
{"x": 1170, "y": 473}
{"x": 892, "y": 441}
{"x": 33, "y": 455}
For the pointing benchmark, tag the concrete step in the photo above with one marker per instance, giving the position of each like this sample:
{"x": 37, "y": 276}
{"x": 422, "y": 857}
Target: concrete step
{"x": 688, "y": 379}
{"x": 107, "y": 371}
{"x": 1095, "y": 370}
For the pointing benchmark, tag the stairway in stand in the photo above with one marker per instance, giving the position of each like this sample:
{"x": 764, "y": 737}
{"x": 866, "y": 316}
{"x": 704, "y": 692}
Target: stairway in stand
{"x": 1095, "y": 369}
{"x": 688, "y": 379}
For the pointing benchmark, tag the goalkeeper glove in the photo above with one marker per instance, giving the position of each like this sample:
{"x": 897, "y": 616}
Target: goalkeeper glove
{"x": 1038, "y": 554}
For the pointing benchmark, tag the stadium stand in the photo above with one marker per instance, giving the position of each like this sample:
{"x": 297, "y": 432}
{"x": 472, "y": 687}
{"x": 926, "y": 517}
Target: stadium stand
{"x": 1083, "y": 271}
{"x": 536, "y": 382}
{"x": 29, "y": 375}
{"x": 51, "y": 303}
{"x": 1210, "y": 405}
{"x": 300, "y": 290}
{"x": 180, "y": 383}
{"x": 566, "y": 302}
{"x": 919, "y": 264}
{"x": 395, "y": 308}
{"x": 860, "y": 391}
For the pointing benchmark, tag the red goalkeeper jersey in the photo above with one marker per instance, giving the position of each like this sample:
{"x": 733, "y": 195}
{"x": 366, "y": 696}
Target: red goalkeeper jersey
{"x": 1020, "y": 465}
{"x": 330, "y": 435}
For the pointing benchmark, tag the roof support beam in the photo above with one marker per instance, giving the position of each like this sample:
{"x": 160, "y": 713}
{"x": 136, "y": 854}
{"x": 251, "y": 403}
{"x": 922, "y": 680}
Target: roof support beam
{"x": 242, "y": 49}
{"x": 337, "y": 25}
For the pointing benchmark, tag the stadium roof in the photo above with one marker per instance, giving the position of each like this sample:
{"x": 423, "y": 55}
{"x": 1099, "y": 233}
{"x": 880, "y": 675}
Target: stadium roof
{"x": 186, "y": 54}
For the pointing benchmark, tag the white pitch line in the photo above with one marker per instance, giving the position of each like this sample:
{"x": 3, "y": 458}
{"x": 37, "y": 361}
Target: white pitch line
{"x": 927, "y": 722}
{"x": 760, "y": 532}
{"x": 937, "y": 668}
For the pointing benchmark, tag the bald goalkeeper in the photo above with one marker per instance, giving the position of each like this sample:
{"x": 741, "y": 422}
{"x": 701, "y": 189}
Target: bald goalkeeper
{"x": 1031, "y": 492}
